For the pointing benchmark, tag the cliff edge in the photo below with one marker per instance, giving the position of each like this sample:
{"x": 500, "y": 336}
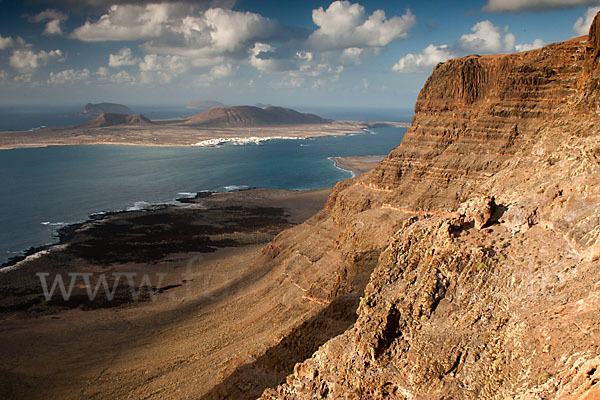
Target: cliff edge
{"x": 476, "y": 242}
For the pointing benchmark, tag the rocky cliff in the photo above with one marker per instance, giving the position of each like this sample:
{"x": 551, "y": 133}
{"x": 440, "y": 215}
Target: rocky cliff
{"x": 476, "y": 242}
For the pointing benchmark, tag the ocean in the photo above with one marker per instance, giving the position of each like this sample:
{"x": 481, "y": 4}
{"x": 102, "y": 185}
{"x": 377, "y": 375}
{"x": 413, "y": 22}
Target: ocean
{"x": 42, "y": 189}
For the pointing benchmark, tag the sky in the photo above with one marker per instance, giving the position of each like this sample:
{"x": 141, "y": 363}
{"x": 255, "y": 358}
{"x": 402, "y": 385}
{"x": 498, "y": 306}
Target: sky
{"x": 311, "y": 53}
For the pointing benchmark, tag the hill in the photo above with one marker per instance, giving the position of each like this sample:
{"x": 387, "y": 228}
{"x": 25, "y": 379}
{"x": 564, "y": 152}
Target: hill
{"x": 204, "y": 104}
{"x": 109, "y": 119}
{"x": 242, "y": 116}
{"x": 106, "y": 108}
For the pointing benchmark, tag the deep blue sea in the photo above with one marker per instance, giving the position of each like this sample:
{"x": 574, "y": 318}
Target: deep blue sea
{"x": 42, "y": 189}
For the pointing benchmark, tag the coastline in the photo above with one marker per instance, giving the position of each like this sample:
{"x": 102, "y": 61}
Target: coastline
{"x": 175, "y": 135}
{"x": 210, "y": 253}
{"x": 354, "y": 165}
{"x": 357, "y": 165}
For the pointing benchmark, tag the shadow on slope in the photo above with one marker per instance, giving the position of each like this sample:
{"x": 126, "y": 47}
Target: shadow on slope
{"x": 249, "y": 381}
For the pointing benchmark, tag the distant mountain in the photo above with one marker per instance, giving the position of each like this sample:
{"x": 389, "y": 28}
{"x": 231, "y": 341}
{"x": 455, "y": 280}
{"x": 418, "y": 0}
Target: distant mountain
{"x": 242, "y": 116}
{"x": 111, "y": 119}
{"x": 204, "y": 104}
{"x": 106, "y": 108}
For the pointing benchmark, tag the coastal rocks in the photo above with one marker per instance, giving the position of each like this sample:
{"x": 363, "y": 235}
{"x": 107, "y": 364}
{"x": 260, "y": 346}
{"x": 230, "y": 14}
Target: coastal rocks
{"x": 519, "y": 217}
{"x": 479, "y": 211}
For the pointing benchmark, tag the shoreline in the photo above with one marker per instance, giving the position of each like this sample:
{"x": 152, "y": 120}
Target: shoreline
{"x": 357, "y": 166}
{"x": 61, "y": 234}
{"x": 178, "y": 135}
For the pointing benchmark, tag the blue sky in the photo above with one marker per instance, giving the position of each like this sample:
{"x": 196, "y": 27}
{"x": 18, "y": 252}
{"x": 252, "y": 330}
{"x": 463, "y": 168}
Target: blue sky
{"x": 309, "y": 53}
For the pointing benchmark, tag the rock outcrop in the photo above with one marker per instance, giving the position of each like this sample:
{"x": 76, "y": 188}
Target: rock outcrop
{"x": 106, "y": 108}
{"x": 242, "y": 116}
{"x": 476, "y": 242}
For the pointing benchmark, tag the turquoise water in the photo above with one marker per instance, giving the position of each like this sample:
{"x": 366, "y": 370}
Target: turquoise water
{"x": 43, "y": 188}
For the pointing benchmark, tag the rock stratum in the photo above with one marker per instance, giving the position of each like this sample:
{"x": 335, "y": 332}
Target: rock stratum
{"x": 106, "y": 108}
{"x": 474, "y": 247}
{"x": 249, "y": 116}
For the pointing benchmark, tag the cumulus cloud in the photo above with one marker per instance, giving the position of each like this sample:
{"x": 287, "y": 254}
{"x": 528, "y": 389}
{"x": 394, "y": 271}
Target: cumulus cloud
{"x": 536, "y": 44}
{"x": 156, "y": 68}
{"x": 582, "y": 25}
{"x": 68, "y": 76}
{"x": 104, "y": 4}
{"x": 179, "y": 28}
{"x": 430, "y": 56}
{"x": 265, "y": 58}
{"x": 5, "y": 42}
{"x": 486, "y": 38}
{"x": 123, "y": 58}
{"x": 217, "y": 72}
{"x": 54, "y": 18}
{"x": 533, "y": 5}
{"x": 27, "y": 61}
{"x": 345, "y": 25}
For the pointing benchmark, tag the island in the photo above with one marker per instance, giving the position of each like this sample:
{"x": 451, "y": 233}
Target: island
{"x": 102, "y": 108}
{"x": 218, "y": 125}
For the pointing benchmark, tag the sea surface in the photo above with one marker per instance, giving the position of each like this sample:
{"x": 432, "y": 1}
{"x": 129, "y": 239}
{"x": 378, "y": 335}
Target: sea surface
{"x": 42, "y": 189}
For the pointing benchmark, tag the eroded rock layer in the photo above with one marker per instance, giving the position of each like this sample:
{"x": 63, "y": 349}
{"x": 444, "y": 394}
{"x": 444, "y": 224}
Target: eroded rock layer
{"x": 479, "y": 237}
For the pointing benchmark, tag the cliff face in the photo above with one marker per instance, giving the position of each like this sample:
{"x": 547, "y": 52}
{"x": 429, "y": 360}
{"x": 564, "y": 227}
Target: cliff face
{"x": 479, "y": 237}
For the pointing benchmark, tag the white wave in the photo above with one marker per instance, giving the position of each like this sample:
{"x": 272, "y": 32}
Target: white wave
{"x": 232, "y": 188}
{"x": 187, "y": 194}
{"x": 37, "y": 129}
{"x": 138, "y": 205}
{"x": 53, "y": 223}
{"x": 353, "y": 175}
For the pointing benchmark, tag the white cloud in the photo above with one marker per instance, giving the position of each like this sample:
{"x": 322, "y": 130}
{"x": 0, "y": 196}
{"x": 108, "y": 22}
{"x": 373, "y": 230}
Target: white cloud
{"x": 102, "y": 72}
{"x": 123, "y": 78}
{"x": 122, "y": 58}
{"x": 179, "y": 29}
{"x": 582, "y": 25}
{"x": 161, "y": 69}
{"x": 345, "y": 25}
{"x": 486, "y": 38}
{"x": 5, "y": 42}
{"x": 217, "y": 72}
{"x": 537, "y": 43}
{"x": 27, "y": 61}
{"x": 430, "y": 56}
{"x": 352, "y": 55}
{"x": 131, "y": 22}
{"x": 68, "y": 76}
{"x": 534, "y": 5}
{"x": 263, "y": 58}
{"x": 54, "y": 18}
{"x": 230, "y": 29}
{"x": 222, "y": 71}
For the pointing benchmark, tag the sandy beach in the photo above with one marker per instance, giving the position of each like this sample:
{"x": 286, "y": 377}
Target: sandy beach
{"x": 357, "y": 165}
